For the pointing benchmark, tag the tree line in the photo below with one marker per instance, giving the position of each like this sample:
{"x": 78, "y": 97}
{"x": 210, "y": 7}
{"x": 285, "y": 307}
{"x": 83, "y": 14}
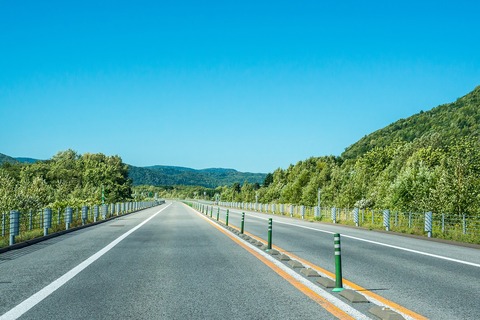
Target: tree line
{"x": 427, "y": 162}
{"x": 419, "y": 176}
{"x": 68, "y": 179}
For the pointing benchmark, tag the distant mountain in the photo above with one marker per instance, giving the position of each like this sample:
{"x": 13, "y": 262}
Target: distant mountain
{"x": 27, "y": 160}
{"x": 445, "y": 123}
{"x": 211, "y": 178}
{"x": 5, "y": 158}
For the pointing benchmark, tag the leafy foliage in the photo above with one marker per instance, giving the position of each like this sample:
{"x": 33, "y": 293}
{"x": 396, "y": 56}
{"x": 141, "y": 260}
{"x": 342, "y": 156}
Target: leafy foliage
{"x": 66, "y": 179}
{"x": 430, "y": 161}
{"x": 448, "y": 123}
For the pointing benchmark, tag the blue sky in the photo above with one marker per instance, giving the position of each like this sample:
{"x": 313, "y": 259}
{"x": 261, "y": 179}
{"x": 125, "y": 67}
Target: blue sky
{"x": 249, "y": 85}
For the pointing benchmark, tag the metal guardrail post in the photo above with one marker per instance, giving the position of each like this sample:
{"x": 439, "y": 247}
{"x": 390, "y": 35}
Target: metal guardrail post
{"x": 30, "y": 220}
{"x": 443, "y": 223}
{"x": 355, "y": 216}
{"x": 68, "y": 217}
{"x": 84, "y": 215}
{"x": 47, "y": 220}
{"x": 338, "y": 263}
{"x": 14, "y": 225}
{"x": 386, "y": 219}
{"x": 428, "y": 223}
{"x": 95, "y": 213}
{"x": 104, "y": 211}
{"x": 334, "y": 215}
{"x": 3, "y": 224}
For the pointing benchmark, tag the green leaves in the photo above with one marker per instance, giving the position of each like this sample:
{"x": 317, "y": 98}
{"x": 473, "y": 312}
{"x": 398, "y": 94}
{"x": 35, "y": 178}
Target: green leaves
{"x": 430, "y": 161}
{"x": 67, "y": 179}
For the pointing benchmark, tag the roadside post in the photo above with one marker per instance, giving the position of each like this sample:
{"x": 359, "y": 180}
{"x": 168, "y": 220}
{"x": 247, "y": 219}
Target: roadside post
{"x": 386, "y": 219}
{"x": 84, "y": 215}
{"x": 104, "y": 211}
{"x": 3, "y": 224}
{"x": 355, "y": 216}
{"x": 428, "y": 223}
{"x": 47, "y": 220}
{"x": 226, "y": 219}
{"x": 338, "y": 263}
{"x": 95, "y": 213}
{"x": 14, "y": 225}
{"x": 68, "y": 217}
{"x": 334, "y": 215}
{"x": 242, "y": 225}
{"x": 269, "y": 246}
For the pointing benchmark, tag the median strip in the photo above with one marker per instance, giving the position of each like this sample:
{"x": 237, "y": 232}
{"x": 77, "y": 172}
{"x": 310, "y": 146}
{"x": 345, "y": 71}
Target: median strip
{"x": 326, "y": 300}
{"x": 327, "y": 282}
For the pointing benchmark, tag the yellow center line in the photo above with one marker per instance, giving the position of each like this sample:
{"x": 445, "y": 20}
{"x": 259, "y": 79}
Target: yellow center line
{"x": 334, "y": 310}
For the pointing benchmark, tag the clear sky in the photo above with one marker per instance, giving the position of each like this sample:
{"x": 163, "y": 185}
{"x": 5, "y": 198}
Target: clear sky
{"x": 249, "y": 85}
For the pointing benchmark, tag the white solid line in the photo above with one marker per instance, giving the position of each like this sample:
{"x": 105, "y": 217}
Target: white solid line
{"x": 378, "y": 243}
{"x": 36, "y": 298}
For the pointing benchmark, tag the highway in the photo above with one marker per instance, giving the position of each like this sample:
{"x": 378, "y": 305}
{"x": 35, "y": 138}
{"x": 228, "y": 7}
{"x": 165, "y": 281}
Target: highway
{"x": 433, "y": 279}
{"x": 170, "y": 262}
{"x": 166, "y": 262}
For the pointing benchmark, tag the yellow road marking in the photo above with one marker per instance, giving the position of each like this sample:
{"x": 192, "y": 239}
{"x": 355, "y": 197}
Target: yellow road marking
{"x": 337, "y": 312}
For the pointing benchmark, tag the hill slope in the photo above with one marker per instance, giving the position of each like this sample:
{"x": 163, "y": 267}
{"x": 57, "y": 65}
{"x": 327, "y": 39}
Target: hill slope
{"x": 427, "y": 162}
{"x": 8, "y": 159}
{"x": 449, "y": 122}
{"x": 169, "y": 176}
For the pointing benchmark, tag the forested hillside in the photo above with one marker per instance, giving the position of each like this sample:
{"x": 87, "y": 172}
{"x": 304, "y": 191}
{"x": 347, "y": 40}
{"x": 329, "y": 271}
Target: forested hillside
{"x": 448, "y": 123}
{"x": 4, "y": 158}
{"x": 430, "y": 161}
{"x": 171, "y": 176}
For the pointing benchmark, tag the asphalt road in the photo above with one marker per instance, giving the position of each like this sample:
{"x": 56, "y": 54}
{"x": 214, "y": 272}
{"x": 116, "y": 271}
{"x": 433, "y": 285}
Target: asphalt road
{"x": 436, "y": 280}
{"x": 175, "y": 266}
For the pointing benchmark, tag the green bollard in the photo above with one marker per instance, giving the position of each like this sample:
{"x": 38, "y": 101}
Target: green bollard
{"x": 242, "y": 225}
{"x": 226, "y": 219}
{"x": 211, "y": 211}
{"x": 218, "y": 213}
{"x": 269, "y": 246}
{"x": 338, "y": 263}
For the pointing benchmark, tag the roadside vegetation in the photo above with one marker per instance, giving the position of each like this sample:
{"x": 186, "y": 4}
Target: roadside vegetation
{"x": 68, "y": 179}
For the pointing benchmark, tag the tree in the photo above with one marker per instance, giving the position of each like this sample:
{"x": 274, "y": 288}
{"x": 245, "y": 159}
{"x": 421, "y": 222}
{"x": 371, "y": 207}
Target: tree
{"x": 268, "y": 180}
{"x": 7, "y": 192}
